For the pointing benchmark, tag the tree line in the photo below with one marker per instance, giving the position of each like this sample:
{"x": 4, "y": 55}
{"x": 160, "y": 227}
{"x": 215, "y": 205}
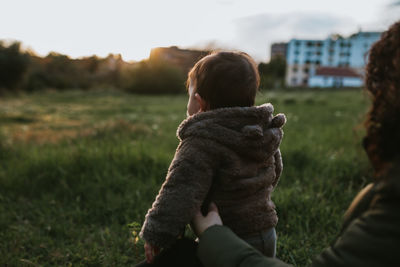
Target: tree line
{"x": 25, "y": 71}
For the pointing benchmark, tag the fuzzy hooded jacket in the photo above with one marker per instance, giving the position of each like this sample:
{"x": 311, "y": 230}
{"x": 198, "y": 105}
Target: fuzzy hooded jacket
{"x": 229, "y": 156}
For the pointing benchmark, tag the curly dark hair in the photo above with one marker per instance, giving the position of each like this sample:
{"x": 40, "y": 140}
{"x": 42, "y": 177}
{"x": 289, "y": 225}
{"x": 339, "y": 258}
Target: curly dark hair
{"x": 382, "y": 142}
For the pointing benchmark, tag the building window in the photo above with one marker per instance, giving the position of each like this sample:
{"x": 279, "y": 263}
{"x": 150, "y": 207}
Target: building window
{"x": 318, "y": 62}
{"x": 318, "y": 53}
{"x": 294, "y": 69}
{"x": 310, "y": 44}
{"x": 305, "y": 81}
{"x": 338, "y": 82}
{"x": 296, "y": 61}
{"x": 307, "y": 61}
{"x": 318, "y": 44}
{"x": 344, "y": 44}
{"x": 297, "y": 43}
{"x": 294, "y": 80}
{"x": 296, "y": 52}
{"x": 306, "y": 70}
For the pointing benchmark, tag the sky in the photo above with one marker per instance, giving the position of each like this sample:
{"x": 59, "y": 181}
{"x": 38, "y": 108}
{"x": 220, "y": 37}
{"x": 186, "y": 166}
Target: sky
{"x": 132, "y": 27}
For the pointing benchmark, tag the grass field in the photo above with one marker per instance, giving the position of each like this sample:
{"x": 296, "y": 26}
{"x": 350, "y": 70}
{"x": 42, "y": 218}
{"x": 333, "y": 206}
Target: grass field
{"x": 77, "y": 168}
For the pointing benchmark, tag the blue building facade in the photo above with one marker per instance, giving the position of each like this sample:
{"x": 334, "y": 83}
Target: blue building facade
{"x": 305, "y": 56}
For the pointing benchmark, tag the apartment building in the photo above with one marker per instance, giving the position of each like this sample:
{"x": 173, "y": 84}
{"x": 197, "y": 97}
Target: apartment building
{"x": 305, "y": 58}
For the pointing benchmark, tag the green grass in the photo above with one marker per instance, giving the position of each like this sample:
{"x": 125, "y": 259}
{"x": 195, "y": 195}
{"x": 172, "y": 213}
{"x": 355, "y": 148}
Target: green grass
{"x": 76, "y": 168}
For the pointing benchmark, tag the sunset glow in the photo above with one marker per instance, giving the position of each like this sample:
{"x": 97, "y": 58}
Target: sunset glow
{"x": 132, "y": 28}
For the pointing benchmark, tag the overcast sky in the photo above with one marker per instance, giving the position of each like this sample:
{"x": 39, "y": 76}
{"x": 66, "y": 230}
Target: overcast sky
{"x": 132, "y": 27}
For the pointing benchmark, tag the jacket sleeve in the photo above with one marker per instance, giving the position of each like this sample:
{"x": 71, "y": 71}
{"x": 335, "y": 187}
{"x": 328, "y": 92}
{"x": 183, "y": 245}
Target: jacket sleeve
{"x": 220, "y": 247}
{"x": 278, "y": 121}
{"x": 278, "y": 167}
{"x": 186, "y": 186}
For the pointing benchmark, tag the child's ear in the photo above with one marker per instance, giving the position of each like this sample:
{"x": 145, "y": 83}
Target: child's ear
{"x": 202, "y": 103}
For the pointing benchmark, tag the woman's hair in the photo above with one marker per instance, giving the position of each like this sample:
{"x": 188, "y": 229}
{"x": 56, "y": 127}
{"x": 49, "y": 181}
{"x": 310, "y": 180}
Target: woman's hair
{"x": 225, "y": 79}
{"x": 382, "y": 142}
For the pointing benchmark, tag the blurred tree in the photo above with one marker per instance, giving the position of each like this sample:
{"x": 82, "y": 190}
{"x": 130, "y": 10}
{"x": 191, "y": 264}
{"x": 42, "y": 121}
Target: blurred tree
{"x": 272, "y": 74}
{"x": 57, "y": 71}
{"x": 112, "y": 64}
{"x": 154, "y": 77}
{"x": 13, "y": 65}
{"x": 60, "y": 71}
{"x": 37, "y": 78}
{"x": 91, "y": 64}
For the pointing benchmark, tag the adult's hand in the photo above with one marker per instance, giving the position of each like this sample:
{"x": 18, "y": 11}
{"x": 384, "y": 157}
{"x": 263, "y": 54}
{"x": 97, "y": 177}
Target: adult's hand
{"x": 200, "y": 223}
{"x": 150, "y": 251}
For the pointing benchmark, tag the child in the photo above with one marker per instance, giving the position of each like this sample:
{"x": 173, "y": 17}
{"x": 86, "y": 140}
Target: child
{"x": 228, "y": 154}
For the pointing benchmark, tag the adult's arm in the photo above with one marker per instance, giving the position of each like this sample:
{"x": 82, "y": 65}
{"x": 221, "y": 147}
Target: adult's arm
{"x": 372, "y": 239}
{"x": 220, "y": 247}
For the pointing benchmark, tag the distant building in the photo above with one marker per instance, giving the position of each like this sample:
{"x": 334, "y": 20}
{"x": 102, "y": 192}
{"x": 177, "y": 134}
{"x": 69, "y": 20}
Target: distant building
{"x": 334, "y": 77}
{"x": 305, "y": 57}
{"x": 182, "y": 58}
{"x": 278, "y": 49}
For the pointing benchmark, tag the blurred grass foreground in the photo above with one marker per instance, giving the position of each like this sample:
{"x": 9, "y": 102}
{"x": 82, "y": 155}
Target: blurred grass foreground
{"x": 77, "y": 168}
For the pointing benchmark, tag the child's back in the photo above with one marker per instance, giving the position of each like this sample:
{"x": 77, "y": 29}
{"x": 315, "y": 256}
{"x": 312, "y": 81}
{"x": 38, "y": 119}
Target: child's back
{"x": 228, "y": 154}
{"x": 239, "y": 151}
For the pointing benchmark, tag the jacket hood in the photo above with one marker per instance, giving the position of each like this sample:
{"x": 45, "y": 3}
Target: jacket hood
{"x": 252, "y": 132}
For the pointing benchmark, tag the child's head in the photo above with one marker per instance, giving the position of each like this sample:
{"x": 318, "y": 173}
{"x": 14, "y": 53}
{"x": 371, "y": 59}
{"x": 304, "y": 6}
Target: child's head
{"x": 222, "y": 79}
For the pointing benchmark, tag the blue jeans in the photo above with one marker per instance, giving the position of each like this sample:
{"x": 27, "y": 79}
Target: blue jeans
{"x": 265, "y": 242}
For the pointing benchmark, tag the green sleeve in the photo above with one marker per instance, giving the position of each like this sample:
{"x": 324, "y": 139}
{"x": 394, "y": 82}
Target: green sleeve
{"x": 219, "y": 247}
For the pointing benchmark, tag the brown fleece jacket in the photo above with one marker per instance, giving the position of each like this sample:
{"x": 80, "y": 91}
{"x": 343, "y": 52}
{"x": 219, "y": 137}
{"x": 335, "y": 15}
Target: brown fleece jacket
{"x": 229, "y": 156}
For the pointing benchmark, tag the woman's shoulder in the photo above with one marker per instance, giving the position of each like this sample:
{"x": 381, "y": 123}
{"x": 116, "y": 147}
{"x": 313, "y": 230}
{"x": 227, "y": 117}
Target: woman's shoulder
{"x": 371, "y": 238}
